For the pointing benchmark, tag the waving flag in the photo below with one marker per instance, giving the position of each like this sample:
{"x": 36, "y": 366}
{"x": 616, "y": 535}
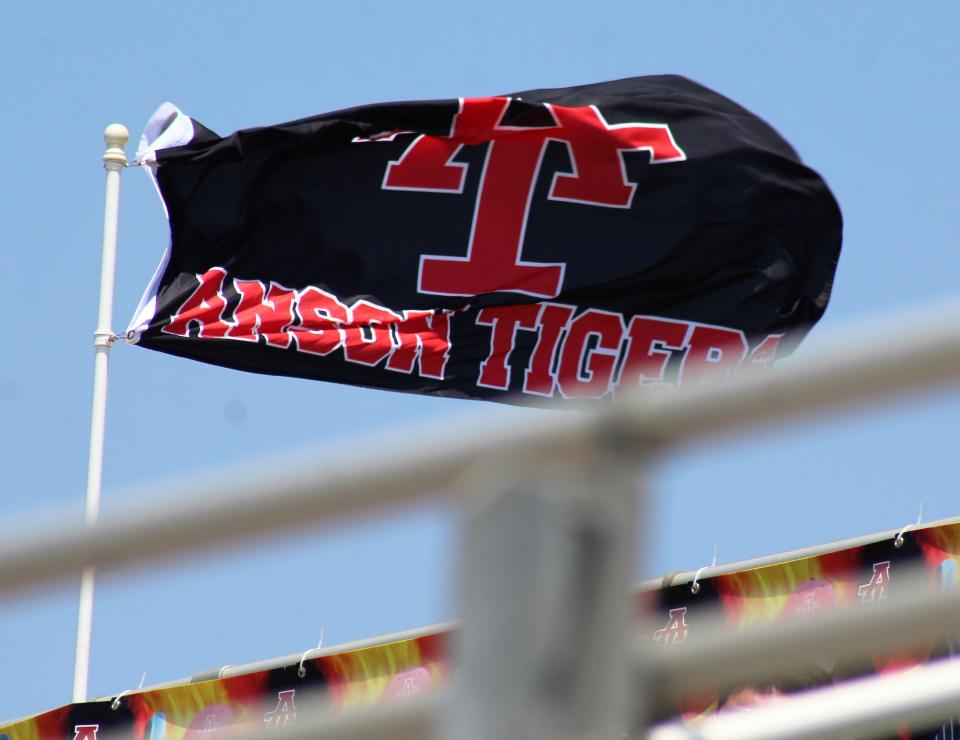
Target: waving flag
{"x": 575, "y": 242}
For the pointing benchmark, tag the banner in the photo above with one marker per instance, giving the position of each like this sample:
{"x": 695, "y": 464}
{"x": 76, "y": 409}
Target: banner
{"x": 264, "y": 700}
{"x": 566, "y": 243}
{"x": 860, "y": 576}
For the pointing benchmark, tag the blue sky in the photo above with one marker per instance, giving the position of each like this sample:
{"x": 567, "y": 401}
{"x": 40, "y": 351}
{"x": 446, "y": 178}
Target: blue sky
{"x": 866, "y": 91}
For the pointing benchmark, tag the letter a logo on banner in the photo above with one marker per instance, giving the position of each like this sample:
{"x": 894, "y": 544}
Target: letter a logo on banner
{"x": 285, "y": 713}
{"x": 675, "y": 629}
{"x": 876, "y": 588}
{"x": 510, "y": 172}
{"x": 85, "y": 732}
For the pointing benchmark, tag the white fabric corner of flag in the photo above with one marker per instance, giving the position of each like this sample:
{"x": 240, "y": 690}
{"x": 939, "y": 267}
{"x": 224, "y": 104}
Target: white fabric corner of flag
{"x": 167, "y": 127}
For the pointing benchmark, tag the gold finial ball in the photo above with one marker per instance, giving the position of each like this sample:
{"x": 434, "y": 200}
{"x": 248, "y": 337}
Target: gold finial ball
{"x": 116, "y": 135}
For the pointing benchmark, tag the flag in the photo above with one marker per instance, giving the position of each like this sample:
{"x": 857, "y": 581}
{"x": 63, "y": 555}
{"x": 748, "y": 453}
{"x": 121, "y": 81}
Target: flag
{"x": 567, "y": 243}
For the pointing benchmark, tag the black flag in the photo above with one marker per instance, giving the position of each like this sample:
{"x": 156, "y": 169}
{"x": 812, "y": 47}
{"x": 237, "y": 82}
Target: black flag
{"x": 575, "y": 242}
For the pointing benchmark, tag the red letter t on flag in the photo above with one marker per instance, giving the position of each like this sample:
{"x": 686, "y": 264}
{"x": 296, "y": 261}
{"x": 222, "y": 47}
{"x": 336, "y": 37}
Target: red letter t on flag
{"x": 514, "y": 154}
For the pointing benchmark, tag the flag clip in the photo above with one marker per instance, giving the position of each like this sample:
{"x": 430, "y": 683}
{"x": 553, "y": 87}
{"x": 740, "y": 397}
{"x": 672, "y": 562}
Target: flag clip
{"x": 301, "y": 671}
{"x": 104, "y": 338}
{"x": 898, "y": 540}
{"x": 115, "y": 704}
{"x": 695, "y": 586}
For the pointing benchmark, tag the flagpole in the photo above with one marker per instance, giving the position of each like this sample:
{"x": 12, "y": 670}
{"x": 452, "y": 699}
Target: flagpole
{"x": 114, "y": 160}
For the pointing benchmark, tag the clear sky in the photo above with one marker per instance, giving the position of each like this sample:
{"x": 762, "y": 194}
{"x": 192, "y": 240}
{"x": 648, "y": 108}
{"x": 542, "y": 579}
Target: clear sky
{"x": 866, "y": 91}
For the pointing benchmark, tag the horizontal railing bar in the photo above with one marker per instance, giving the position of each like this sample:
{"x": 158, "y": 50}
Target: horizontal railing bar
{"x": 286, "y": 494}
{"x": 868, "y": 707}
{"x": 719, "y": 657}
{"x": 300, "y": 490}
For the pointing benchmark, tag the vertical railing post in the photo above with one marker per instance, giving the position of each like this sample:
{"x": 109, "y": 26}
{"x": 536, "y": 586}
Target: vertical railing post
{"x": 114, "y": 160}
{"x": 546, "y": 573}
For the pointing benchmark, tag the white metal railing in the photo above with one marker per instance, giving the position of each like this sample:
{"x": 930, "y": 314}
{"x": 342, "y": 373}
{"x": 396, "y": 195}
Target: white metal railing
{"x": 330, "y": 485}
{"x": 545, "y": 650}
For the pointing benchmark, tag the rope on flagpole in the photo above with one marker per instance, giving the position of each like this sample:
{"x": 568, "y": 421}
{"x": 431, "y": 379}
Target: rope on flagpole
{"x": 114, "y": 160}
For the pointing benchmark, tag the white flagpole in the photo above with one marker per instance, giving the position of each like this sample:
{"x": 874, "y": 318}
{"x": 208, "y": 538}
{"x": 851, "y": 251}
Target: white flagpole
{"x": 114, "y": 160}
